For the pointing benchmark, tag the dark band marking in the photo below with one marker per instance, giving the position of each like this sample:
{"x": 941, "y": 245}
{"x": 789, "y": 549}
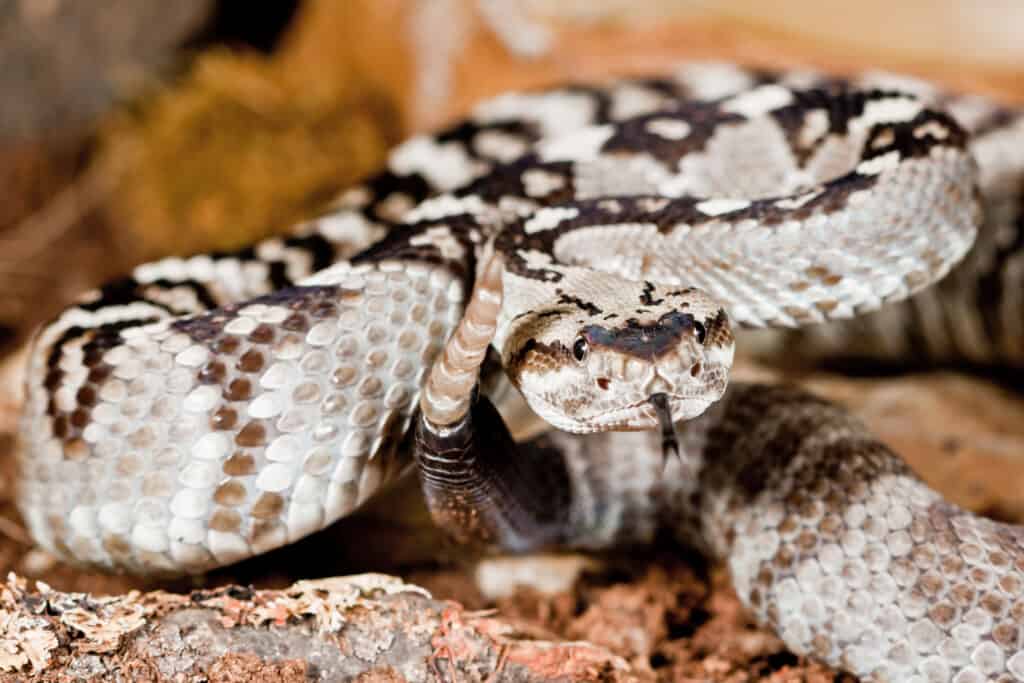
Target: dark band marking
{"x": 645, "y": 296}
{"x": 643, "y": 341}
{"x": 831, "y": 197}
{"x": 599, "y": 97}
{"x": 717, "y": 331}
{"x": 507, "y": 181}
{"x": 466, "y": 132}
{"x": 69, "y": 425}
{"x": 317, "y": 246}
{"x": 546, "y": 314}
{"x": 555, "y": 350}
{"x": 464, "y": 229}
{"x": 386, "y": 184}
{"x": 585, "y": 306}
{"x": 703, "y": 119}
{"x": 836, "y": 100}
{"x": 318, "y": 301}
{"x": 128, "y": 290}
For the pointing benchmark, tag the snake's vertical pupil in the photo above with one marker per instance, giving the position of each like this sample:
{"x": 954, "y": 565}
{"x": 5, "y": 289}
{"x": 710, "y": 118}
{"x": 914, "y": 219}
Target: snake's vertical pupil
{"x": 580, "y": 348}
{"x": 702, "y": 333}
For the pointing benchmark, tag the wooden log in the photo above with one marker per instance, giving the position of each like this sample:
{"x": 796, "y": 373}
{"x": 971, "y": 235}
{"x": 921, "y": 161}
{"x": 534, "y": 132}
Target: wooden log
{"x": 366, "y": 627}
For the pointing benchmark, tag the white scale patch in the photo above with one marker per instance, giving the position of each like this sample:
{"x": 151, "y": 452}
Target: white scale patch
{"x": 353, "y": 198}
{"x": 535, "y": 259}
{"x": 716, "y": 207}
{"x": 632, "y": 100}
{"x": 516, "y": 207}
{"x": 165, "y": 269}
{"x": 441, "y": 238}
{"x": 332, "y": 275}
{"x": 815, "y": 127}
{"x": 202, "y": 267}
{"x": 799, "y": 200}
{"x": 548, "y": 218}
{"x": 720, "y": 354}
{"x": 394, "y": 207}
{"x": 889, "y": 110}
{"x": 583, "y": 145}
{"x": 610, "y": 205}
{"x": 883, "y": 139}
{"x": 298, "y": 262}
{"x": 670, "y": 129}
{"x": 255, "y": 275}
{"x": 236, "y": 280}
{"x": 759, "y": 101}
{"x": 444, "y": 165}
{"x": 445, "y": 205}
{"x": 876, "y": 165}
{"x": 617, "y": 175}
{"x": 539, "y": 183}
{"x": 90, "y": 296}
{"x": 555, "y": 113}
{"x": 499, "y": 145}
{"x": 182, "y": 299}
{"x": 932, "y": 128}
{"x": 113, "y": 314}
{"x": 348, "y": 227}
{"x": 652, "y": 204}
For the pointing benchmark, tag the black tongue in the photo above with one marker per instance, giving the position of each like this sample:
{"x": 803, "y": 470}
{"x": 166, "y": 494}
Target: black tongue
{"x": 669, "y": 442}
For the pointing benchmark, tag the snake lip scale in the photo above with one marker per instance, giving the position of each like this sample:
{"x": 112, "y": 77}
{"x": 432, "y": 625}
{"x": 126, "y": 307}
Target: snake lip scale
{"x": 640, "y": 415}
{"x": 209, "y": 408}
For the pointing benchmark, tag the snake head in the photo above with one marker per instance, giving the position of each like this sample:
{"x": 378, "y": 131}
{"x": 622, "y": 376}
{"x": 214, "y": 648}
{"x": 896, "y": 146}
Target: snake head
{"x": 593, "y": 365}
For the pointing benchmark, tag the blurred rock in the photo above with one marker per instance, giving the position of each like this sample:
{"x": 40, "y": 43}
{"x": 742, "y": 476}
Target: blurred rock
{"x": 242, "y": 146}
{"x": 62, "y": 61}
{"x": 62, "y": 65}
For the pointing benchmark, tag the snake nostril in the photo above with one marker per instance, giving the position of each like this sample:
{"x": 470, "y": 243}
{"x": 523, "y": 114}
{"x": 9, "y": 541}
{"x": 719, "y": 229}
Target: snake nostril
{"x": 603, "y": 382}
{"x": 695, "y": 370}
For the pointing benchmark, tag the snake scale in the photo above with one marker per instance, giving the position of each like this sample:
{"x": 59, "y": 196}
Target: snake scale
{"x": 605, "y": 242}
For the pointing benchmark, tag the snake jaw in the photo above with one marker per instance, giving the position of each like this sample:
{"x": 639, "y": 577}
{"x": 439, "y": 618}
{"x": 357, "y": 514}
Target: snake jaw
{"x": 612, "y": 392}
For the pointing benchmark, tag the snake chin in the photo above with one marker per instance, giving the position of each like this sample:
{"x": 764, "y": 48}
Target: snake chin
{"x": 579, "y": 409}
{"x": 642, "y": 416}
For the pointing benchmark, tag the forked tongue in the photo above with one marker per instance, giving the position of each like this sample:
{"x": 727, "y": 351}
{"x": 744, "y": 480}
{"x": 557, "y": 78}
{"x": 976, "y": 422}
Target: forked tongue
{"x": 669, "y": 442}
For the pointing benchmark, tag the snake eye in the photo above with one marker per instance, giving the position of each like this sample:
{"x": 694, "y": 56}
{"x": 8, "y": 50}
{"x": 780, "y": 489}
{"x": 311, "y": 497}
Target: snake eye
{"x": 580, "y": 348}
{"x": 702, "y": 333}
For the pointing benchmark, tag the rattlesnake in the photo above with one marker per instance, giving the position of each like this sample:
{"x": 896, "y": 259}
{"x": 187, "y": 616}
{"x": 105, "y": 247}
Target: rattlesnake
{"x": 206, "y": 409}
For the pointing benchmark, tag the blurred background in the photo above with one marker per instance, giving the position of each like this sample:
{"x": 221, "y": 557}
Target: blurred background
{"x": 132, "y": 129}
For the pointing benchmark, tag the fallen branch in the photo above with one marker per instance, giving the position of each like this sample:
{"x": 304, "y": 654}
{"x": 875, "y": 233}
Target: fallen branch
{"x": 370, "y": 626}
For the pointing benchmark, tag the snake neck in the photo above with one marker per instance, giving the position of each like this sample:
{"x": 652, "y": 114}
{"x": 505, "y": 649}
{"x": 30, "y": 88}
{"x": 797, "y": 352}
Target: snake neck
{"x": 756, "y": 448}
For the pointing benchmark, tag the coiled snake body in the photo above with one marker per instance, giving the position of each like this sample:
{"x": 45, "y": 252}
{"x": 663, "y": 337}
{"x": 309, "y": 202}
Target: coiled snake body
{"x": 207, "y": 409}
